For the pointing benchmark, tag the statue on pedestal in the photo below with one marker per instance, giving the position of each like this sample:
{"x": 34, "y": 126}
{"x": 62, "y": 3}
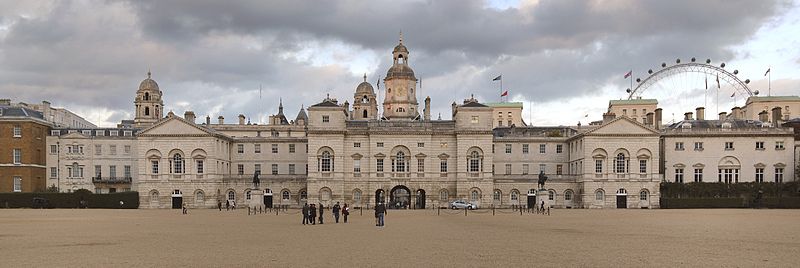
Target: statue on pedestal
{"x": 256, "y": 180}
{"x": 542, "y": 179}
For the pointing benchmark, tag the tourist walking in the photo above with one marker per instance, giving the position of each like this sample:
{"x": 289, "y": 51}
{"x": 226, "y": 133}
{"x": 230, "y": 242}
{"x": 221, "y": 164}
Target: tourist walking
{"x": 313, "y": 214}
{"x": 184, "y": 208}
{"x": 227, "y": 205}
{"x": 335, "y": 211}
{"x": 345, "y": 212}
{"x": 219, "y": 205}
{"x": 321, "y": 209}
{"x": 305, "y": 214}
{"x": 541, "y": 208}
{"x": 380, "y": 211}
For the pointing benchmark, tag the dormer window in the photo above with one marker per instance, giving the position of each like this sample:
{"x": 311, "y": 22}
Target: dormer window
{"x": 686, "y": 125}
{"x": 326, "y": 119}
{"x": 726, "y": 125}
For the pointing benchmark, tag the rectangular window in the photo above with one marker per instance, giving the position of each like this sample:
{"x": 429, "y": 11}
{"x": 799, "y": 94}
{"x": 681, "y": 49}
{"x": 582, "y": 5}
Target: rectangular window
{"x": 98, "y": 149}
{"x": 240, "y": 169}
{"x": 542, "y": 168}
{"x": 679, "y": 146}
{"x": 274, "y": 148}
{"x": 525, "y": 148}
{"x": 542, "y": 148}
{"x": 698, "y": 146}
{"x": 728, "y": 145}
{"x": 114, "y": 133}
{"x": 199, "y": 167}
{"x": 127, "y": 149}
{"x": 17, "y": 132}
{"x": 698, "y": 175}
{"x": 98, "y": 133}
{"x": 778, "y": 145}
{"x": 53, "y": 149}
{"x": 291, "y": 148}
{"x": 357, "y": 166}
{"x": 443, "y": 166}
{"x": 88, "y": 132}
{"x": 778, "y": 175}
{"x": 559, "y": 169}
{"x": 598, "y": 166}
{"x": 326, "y": 119}
{"x": 274, "y": 169}
{"x": 17, "y": 184}
{"x": 55, "y": 132}
{"x": 291, "y": 169}
{"x": 420, "y": 144}
{"x": 525, "y": 169}
{"x": 474, "y": 119}
{"x": 508, "y": 148}
{"x": 127, "y": 171}
{"x": 356, "y": 145}
{"x": 559, "y": 148}
{"x": 379, "y": 165}
{"x": 257, "y": 148}
{"x": 759, "y": 175}
{"x": 127, "y": 133}
{"x": 98, "y": 171}
{"x": 154, "y": 165}
{"x": 112, "y": 171}
{"x": 53, "y": 172}
{"x": 679, "y": 175}
{"x": 642, "y": 166}
{"x": 379, "y": 145}
{"x": 420, "y": 165}
{"x": 759, "y": 145}
{"x": 508, "y": 169}
{"x": 257, "y": 168}
{"x": 240, "y": 148}
{"x": 17, "y": 156}
{"x": 112, "y": 150}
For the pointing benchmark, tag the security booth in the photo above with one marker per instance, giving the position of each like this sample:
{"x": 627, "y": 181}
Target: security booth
{"x": 267, "y": 198}
{"x": 532, "y": 198}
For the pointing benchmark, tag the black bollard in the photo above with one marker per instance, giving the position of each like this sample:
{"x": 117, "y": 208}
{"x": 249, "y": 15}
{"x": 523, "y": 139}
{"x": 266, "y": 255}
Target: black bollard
{"x": 492, "y": 210}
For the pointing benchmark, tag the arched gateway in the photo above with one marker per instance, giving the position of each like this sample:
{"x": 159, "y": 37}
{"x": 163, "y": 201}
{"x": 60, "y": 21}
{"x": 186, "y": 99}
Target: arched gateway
{"x": 400, "y": 197}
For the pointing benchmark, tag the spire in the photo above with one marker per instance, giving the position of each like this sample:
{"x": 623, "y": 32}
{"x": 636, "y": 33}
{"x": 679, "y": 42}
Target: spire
{"x": 401, "y": 37}
{"x": 365, "y": 77}
{"x": 148, "y": 73}
{"x": 280, "y": 106}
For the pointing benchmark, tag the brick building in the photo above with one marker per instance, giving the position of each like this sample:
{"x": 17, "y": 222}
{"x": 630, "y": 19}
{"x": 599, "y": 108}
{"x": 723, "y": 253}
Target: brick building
{"x": 22, "y": 149}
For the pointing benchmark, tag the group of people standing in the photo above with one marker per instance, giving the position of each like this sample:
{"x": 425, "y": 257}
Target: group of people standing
{"x": 310, "y": 213}
{"x": 229, "y": 205}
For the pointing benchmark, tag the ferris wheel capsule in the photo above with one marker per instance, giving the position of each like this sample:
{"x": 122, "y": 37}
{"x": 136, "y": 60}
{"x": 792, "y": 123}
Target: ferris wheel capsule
{"x": 663, "y": 64}
{"x": 735, "y": 71}
{"x": 722, "y": 65}
{"x": 708, "y": 61}
{"x": 693, "y": 59}
{"x": 755, "y": 92}
{"x": 747, "y": 81}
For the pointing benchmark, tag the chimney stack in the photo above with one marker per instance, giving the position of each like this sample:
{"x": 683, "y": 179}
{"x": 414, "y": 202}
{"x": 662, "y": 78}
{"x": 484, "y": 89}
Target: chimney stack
{"x": 428, "y": 108}
{"x": 658, "y": 118}
{"x": 649, "y": 119}
{"x": 208, "y": 120}
{"x": 221, "y": 120}
{"x": 607, "y": 117}
{"x": 763, "y": 116}
{"x": 777, "y": 116}
{"x": 701, "y": 113}
{"x": 241, "y": 119}
{"x": 189, "y": 116}
{"x": 736, "y": 112}
{"x": 723, "y": 116}
{"x": 687, "y": 116}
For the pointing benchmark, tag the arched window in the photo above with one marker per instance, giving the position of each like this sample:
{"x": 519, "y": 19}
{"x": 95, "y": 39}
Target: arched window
{"x": 326, "y": 161}
{"x": 146, "y": 110}
{"x": 76, "y": 171}
{"x": 474, "y": 161}
{"x": 325, "y": 194}
{"x": 551, "y": 195}
{"x": 400, "y": 162}
{"x": 365, "y": 113}
{"x": 199, "y": 196}
{"x": 177, "y": 161}
{"x": 643, "y": 195}
{"x": 568, "y": 195}
{"x": 147, "y": 96}
{"x": 285, "y": 195}
{"x": 443, "y": 195}
{"x": 231, "y": 195}
{"x": 514, "y": 195}
{"x": 497, "y": 195}
{"x": 474, "y": 195}
{"x": 303, "y": 195}
{"x": 247, "y": 195}
{"x": 619, "y": 164}
{"x": 357, "y": 196}
{"x": 599, "y": 195}
{"x": 154, "y": 196}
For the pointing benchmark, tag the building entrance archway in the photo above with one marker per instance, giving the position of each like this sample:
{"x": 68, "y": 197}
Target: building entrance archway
{"x": 400, "y": 197}
{"x": 420, "y": 201}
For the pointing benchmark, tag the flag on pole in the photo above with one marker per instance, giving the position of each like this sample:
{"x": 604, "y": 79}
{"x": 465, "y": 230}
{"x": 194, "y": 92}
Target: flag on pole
{"x": 499, "y": 77}
{"x": 628, "y": 74}
{"x": 706, "y": 82}
{"x": 505, "y": 93}
{"x": 765, "y": 74}
{"x": 734, "y": 94}
{"x": 718, "y": 81}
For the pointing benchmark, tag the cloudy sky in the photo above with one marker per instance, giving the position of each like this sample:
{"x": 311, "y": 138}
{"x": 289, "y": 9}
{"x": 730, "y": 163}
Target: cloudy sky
{"x": 563, "y": 59}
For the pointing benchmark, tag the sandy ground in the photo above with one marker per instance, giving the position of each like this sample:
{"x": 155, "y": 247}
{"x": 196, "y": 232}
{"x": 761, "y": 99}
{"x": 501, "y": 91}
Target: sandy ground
{"x": 587, "y": 238}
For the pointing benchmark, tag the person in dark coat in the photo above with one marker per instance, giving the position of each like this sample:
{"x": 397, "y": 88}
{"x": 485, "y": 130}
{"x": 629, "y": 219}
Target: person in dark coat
{"x": 219, "y": 205}
{"x": 345, "y": 212}
{"x": 335, "y": 211}
{"x": 227, "y": 205}
{"x": 380, "y": 212}
{"x": 321, "y": 209}
{"x": 305, "y": 214}
{"x": 313, "y": 214}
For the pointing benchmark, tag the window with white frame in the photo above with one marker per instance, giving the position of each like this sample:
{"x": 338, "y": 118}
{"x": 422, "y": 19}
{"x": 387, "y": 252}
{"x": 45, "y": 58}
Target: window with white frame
{"x": 551, "y": 195}
{"x": 240, "y": 148}
{"x": 285, "y": 195}
{"x": 508, "y": 169}
{"x": 357, "y": 196}
{"x": 356, "y": 165}
{"x": 17, "y": 154}
{"x": 257, "y": 148}
{"x": 55, "y": 132}
{"x": 17, "y": 184}
{"x": 679, "y": 175}
{"x": 274, "y": 169}
{"x": 127, "y": 133}
{"x": 98, "y": 171}
{"x": 525, "y": 169}
{"x": 443, "y": 166}
{"x": 568, "y": 195}
{"x": 379, "y": 165}
{"x": 154, "y": 166}
{"x": 728, "y": 145}
{"x": 53, "y": 172}
{"x": 496, "y": 196}
{"x": 240, "y": 169}
{"x": 420, "y": 165}
{"x": 598, "y": 166}
{"x": 474, "y": 196}
{"x": 643, "y": 195}
{"x": 379, "y": 145}
{"x": 177, "y": 162}
{"x": 17, "y": 132}
{"x": 508, "y": 148}
{"x": 53, "y": 149}
{"x": 325, "y": 163}
{"x": 514, "y": 195}
{"x": 420, "y": 144}
{"x": 274, "y": 148}
{"x": 525, "y": 148}
{"x": 559, "y": 148}
{"x": 231, "y": 195}
{"x": 542, "y": 168}
{"x": 559, "y": 169}
{"x": 291, "y": 148}
{"x": 679, "y": 146}
{"x": 642, "y": 166}
{"x": 779, "y": 175}
{"x": 257, "y": 169}
{"x": 356, "y": 145}
{"x": 599, "y": 195}
{"x": 326, "y": 119}
{"x": 698, "y": 175}
{"x": 114, "y": 133}
{"x": 759, "y": 174}
{"x": 779, "y": 145}
{"x": 112, "y": 171}
{"x": 292, "y": 169}
{"x": 759, "y": 145}
{"x": 542, "y": 148}
{"x": 698, "y": 146}
{"x": 620, "y": 164}
{"x": 474, "y": 162}
{"x": 399, "y": 162}
{"x": 443, "y": 195}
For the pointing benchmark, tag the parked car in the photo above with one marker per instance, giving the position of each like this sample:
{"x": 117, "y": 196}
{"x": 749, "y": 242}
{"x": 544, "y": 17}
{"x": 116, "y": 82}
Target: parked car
{"x": 458, "y": 204}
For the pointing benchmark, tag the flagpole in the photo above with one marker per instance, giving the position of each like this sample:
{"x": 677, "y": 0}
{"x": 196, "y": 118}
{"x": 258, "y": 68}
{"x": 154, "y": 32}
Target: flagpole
{"x": 769, "y": 82}
{"x": 501, "y": 87}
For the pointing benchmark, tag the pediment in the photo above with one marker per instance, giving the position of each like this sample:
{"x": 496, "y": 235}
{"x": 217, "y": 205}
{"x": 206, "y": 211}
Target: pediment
{"x": 74, "y": 135}
{"x": 174, "y": 126}
{"x": 623, "y": 126}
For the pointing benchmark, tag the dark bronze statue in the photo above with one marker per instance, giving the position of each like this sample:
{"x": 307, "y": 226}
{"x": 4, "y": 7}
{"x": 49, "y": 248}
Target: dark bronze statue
{"x": 256, "y": 180}
{"x": 542, "y": 179}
